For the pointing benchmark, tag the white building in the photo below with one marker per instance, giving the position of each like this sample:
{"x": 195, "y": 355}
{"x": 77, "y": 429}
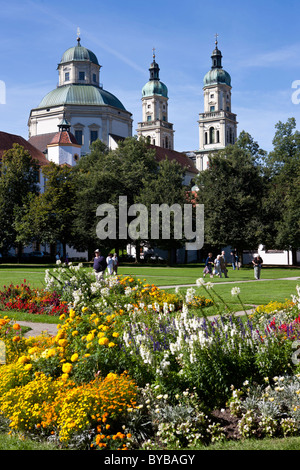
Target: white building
{"x": 91, "y": 111}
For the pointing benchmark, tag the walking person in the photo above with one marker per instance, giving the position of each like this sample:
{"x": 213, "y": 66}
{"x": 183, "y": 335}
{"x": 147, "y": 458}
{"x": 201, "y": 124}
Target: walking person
{"x": 223, "y": 264}
{"x": 233, "y": 259}
{"x": 209, "y": 263}
{"x": 99, "y": 266}
{"x": 110, "y": 264}
{"x": 116, "y": 263}
{"x": 237, "y": 261}
{"x": 217, "y": 263}
{"x": 257, "y": 263}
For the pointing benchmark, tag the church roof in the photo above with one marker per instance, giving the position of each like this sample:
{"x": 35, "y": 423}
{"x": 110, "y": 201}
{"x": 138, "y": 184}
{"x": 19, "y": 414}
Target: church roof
{"x": 217, "y": 76}
{"x": 155, "y": 87}
{"x": 63, "y": 137}
{"x": 181, "y": 158}
{"x": 88, "y": 95}
{"x": 79, "y": 53}
{"x": 41, "y": 141}
{"x": 7, "y": 141}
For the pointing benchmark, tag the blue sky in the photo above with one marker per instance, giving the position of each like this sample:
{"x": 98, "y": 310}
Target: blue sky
{"x": 259, "y": 41}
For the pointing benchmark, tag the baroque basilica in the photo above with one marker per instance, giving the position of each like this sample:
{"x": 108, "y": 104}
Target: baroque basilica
{"x": 79, "y": 111}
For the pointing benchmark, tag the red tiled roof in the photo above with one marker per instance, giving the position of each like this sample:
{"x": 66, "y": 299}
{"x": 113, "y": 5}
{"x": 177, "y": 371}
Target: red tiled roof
{"x": 7, "y": 141}
{"x": 41, "y": 141}
{"x": 63, "y": 137}
{"x": 181, "y": 158}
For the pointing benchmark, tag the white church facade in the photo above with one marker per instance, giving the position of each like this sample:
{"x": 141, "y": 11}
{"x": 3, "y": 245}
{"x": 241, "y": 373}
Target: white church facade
{"x": 92, "y": 112}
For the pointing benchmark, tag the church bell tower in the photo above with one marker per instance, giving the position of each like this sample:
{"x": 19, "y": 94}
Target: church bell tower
{"x": 217, "y": 124}
{"x": 155, "y": 125}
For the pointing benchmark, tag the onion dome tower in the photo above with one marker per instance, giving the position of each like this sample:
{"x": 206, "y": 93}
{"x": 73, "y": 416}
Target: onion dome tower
{"x": 155, "y": 125}
{"x": 217, "y": 125}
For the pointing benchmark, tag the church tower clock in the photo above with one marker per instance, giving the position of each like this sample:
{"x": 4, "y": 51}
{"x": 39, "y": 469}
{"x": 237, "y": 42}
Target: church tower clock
{"x": 155, "y": 125}
{"x": 217, "y": 125}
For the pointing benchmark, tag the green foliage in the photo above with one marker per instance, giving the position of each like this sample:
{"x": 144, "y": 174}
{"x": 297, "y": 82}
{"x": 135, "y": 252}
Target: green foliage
{"x": 18, "y": 180}
{"x": 231, "y": 190}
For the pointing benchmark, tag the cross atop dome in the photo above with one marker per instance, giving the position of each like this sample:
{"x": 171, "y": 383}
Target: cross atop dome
{"x": 78, "y": 36}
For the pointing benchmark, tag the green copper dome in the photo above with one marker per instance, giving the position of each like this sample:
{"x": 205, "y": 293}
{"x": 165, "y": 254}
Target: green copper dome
{"x": 217, "y": 76}
{"x": 79, "y": 53}
{"x": 80, "y": 95}
{"x": 155, "y": 87}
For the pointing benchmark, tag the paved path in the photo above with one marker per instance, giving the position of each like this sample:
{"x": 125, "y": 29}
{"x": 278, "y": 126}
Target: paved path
{"x": 38, "y": 328}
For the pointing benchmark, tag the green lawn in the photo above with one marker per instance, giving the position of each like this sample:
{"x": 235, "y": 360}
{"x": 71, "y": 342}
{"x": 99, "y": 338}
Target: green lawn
{"x": 252, "y": 293}
{"x": 160, "y": 276}
{"x": 166, "y": 276}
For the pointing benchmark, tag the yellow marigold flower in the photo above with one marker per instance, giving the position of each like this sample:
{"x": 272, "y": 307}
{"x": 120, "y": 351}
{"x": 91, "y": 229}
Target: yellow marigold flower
{"x": 74, "y": 333}
{"x": 90, "y": 337}
{"x": 24, "y": 359}
{"x": 16, "y": 326}
{"x": 115, "y": 334}
{"x": 103, "y": 341}
{"x": 59, "y": 335}
{"x": 16, "y": 339}
{"x": 111, "y": 375}
{"x": 84, "y": 309}
{"x": 74, "y": 357}
{"x": 72, "y": 313}
{"x": 62, "y": 317}
{"x": 28, "y": 367}
{"x": 67, "y": 367}
{"x": 32, "y": 350}
{"x": 51, "y": 352}
{"x": 62, "y": 342}
{"x": 111, "y": 344}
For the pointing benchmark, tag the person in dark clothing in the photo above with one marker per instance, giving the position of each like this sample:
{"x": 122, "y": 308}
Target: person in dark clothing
{"x": 257, "y": 263}
{"x": 209, "y": 264}
{"x": 99, "y": 265}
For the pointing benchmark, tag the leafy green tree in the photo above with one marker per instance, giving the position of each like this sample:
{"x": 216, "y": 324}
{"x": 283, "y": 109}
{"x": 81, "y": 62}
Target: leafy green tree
{"x": 18, "y": 182}
{"x": 49, "y": 215}
{"x": 166, "y": 188}
{"x": 101, "y": 178}
{"x": 231, "y": 190}
{"x": 283, "y": 165}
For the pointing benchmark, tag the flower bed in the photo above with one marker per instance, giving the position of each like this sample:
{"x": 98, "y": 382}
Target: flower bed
{"x": 162, "y": 366}
{"x": 35, "y": 301}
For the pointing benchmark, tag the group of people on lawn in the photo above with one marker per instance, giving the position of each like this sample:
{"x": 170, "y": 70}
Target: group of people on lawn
{"x": 218, "y": 266}
{"x": 101, "y": 264}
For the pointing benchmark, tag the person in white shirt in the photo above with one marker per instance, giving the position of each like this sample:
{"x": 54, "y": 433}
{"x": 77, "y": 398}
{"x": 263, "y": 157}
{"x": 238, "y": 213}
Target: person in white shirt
{"x": 110, "y": 264}
{"x": 116, "y": 263}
